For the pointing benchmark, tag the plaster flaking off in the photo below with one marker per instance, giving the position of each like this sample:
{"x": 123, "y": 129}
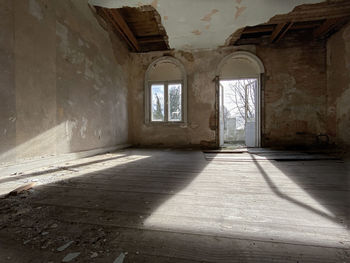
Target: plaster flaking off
{"x": 70, "y": 126}
{"x": 346, "y": 37}
{"x": 72, "y": 55}
{"x": 185, "y": 17}
{"x": 83, "y": 127}
{"x": 35, "y": 9}
{"x": 343, "y": 116}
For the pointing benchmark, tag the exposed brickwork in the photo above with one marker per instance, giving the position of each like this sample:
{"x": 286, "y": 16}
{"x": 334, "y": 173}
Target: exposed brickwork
{"x": 295, "y": 92}
{"x": 294, "y": 107}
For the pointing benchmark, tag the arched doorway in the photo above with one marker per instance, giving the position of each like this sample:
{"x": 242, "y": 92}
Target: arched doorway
{"x": 239, "y": 78}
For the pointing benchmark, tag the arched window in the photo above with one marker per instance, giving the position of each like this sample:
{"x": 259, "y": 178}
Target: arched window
{"x": 166, "y": 92}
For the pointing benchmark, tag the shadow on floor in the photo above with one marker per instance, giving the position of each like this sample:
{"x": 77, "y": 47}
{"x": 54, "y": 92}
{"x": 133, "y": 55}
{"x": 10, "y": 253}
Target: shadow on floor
{"x": 56, "y": 169}
{"x": 325, "y": 181}
{"x": 106, "y": 210}
{"x": 124, "y": 189}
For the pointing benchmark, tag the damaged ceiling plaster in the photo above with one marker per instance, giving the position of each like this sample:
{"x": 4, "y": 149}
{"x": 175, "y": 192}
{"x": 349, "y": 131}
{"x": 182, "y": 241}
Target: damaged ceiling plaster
{"x": 207, "y": 24}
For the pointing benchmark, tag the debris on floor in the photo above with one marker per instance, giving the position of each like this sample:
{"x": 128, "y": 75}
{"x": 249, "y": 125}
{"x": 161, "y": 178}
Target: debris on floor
{"x": 92, "y": 214}
{"x": 69, "y": 257}
{"x": 65, "y": 246}
{"x": 120, "y": 258}
{"x": 22, "y": 188}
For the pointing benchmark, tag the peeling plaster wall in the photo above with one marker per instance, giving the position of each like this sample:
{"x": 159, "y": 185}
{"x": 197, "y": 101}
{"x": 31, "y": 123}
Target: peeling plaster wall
{"x": 7, "y": 86}
{"x": 294, "y": 96}
{"x": 295, "y": 92}
{"x": 338, "y": 87}
{"x": 200, "y": 69}
{"x": 63, "y": 80}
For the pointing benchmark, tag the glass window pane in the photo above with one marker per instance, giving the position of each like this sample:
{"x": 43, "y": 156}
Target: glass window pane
{"x": 157, "y": 96}
{"x": 251, "y": 101}
{"x": 174, "y": 102}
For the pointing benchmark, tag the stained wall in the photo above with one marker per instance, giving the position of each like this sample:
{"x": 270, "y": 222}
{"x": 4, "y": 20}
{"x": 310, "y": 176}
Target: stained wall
{"x": 63, "y": 80}
{"x": 293, "y": 98}
{"x": 338, "y": 87}
{"x": 201, "y": 127}
{"x": 7, "y": 83}
{"x": 67, "y": 85}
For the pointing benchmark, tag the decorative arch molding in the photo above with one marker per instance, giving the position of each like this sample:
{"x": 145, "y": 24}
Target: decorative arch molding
{"x": 152, "y": 66}
{"x": 165, "y": 59}
{"x": 258, "y": 73}
{"x": 241, "y": 54}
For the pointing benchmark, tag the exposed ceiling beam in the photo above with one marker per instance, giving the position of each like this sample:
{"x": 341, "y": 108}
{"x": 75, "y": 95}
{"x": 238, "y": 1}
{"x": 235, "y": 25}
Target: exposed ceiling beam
{"x": 119, "y": 23}
{"x": 279, "y": 31}
{"x": 321, "y": 20}
{"x": 258, "y": 29}
{"x": 270, "y": 28}
{"x": 305, "y": 25}
{"x": 327, "y": 26}
{"x": 311, "y": 12}
{"x": 249, "y": 41}
{"x": 151, "y": 39}
{"x": 140, "y": 28}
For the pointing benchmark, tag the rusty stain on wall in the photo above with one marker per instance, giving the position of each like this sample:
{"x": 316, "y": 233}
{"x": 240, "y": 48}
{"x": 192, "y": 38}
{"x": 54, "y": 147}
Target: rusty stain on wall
{"x": 196, "y": 32}
{"x": 239, "y": 11}
{"x": 187, "y": 55}
{"x": 154, "y": 3}
{"x": 208, "y": 16}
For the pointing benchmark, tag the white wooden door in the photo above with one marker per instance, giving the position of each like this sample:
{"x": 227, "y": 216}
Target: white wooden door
{"x": 221, "y": 114}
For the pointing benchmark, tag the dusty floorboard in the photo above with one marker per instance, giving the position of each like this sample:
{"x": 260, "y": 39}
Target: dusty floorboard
{"x": 178, "y": 206}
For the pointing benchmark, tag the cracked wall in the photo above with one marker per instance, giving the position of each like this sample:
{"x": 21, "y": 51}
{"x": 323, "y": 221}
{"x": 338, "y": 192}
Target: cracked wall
{"x": 295, "y": 92}
{"x": 294, "y": 96}
{"x": 63, "y": 80}
{"x": 200, "y": 130}
{"x": 65, "y": 84}
{"x": 338, "y": 86}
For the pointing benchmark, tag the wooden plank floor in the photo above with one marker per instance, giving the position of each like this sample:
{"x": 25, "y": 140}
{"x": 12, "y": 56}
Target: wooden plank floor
{"x": 178, "y": 206}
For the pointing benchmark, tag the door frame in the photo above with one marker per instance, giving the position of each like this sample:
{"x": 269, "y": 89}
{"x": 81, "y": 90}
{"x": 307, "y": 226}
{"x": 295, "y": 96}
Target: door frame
{"x": 259, "y": 75}
{"x": 257, "y": 110}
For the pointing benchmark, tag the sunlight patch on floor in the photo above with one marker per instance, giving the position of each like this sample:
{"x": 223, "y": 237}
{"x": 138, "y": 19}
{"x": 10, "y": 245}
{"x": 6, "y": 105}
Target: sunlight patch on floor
{"x": 240, "y": 202}
{"x": 68, "y": 170}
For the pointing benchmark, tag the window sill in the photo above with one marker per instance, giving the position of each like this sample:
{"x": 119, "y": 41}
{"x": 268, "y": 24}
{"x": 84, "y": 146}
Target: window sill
{"x": 167, "y": 124}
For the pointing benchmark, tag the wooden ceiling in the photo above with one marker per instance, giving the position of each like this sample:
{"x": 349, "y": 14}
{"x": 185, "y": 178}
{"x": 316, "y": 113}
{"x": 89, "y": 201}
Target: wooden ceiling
{"x": 320, "y": 20}
{"x": 141, "y": 28}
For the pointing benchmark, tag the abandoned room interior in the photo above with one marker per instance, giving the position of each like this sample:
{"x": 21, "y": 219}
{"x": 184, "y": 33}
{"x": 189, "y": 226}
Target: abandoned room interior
{"x": 174, "y": 131}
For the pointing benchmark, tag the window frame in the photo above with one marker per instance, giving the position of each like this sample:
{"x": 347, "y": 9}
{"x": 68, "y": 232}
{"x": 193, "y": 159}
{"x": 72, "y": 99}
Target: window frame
{"x": 166, "y": 100}
{"x": 148, "y": 93}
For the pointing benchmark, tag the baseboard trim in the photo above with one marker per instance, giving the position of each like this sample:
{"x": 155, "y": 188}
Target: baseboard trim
{"x": 28, "y": 165}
